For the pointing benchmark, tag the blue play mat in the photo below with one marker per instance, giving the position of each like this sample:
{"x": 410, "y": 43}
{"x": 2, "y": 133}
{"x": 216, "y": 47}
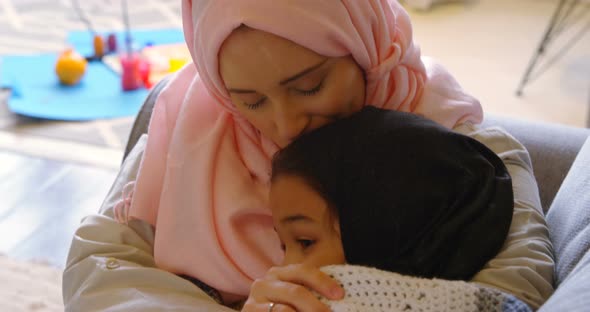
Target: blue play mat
{"x": 36, "y": 91}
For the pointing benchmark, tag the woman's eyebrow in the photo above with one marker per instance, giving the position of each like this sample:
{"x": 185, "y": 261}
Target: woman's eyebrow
{"x": 283, "y": 82}
{"x": 303, "y": 73}
{"x": 241, "y": 91}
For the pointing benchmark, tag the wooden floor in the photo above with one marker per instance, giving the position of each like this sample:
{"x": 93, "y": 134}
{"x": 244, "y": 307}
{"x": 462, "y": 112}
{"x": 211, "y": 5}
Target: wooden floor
{"x": 42, "y": 202}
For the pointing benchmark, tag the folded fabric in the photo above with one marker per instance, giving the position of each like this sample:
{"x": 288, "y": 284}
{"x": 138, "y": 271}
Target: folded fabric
{"x": 368, "y": 289}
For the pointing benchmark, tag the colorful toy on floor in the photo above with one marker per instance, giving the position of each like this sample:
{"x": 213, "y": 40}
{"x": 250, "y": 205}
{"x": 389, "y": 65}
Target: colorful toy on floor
{"x": 99, "y": 48}
{"x": 112, "y": 43}
{"x": 36, "y": 92}
{"x": 176, "y": 64}
{"x": 131, "y": 78}
{"x": 98, "y": 41}
{"x": 135, "y": 68}
{"x": 70, "y": 67}
{"x": 145, "y": 69}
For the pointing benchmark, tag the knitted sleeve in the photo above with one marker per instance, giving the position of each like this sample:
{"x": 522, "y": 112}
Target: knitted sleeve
{"x": 368, "y": 289}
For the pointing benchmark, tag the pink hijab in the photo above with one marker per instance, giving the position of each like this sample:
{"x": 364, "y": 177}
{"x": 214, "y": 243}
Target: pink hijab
{"x": 203, "y": 180}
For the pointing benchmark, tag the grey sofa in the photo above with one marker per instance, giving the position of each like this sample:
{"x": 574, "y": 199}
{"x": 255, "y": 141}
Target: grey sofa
{"x": 561, "y": 161}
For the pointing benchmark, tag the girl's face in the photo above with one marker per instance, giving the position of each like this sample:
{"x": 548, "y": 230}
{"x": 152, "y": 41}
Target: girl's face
{"x": 308, "y": 231}
{"x": 284, "y": 89}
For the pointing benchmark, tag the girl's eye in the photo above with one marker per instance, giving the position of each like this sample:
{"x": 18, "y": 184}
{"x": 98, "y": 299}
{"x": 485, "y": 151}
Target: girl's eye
{"x": 255, "y": 105}
{"x": 305, "y": 243}
{"x": 312, "y": 91}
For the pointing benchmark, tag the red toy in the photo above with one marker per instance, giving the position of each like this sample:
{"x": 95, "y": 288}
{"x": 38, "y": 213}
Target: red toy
{"x": 130, "y": 76}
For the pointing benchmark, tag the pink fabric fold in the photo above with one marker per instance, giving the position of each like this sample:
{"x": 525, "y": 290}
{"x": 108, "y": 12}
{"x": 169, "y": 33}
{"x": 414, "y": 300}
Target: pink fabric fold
{"x": 203, "y": 180}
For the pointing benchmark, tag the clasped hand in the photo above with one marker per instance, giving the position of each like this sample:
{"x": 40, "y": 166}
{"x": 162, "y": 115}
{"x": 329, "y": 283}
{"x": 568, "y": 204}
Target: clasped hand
{"x": 289, "y": 289}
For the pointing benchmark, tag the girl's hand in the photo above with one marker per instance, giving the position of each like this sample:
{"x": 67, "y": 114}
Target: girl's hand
{"x": 288, "y": 287}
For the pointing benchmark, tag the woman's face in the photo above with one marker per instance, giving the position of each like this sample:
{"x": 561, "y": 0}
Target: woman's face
{"x": 308, "y": 231}
{"x": 284, "y": 89}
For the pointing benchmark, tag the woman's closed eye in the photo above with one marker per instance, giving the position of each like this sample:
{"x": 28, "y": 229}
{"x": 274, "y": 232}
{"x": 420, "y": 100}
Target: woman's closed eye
{"x": 313, "y": 91}
{"x": 305, "y": 92}
{"x": 256, "y": 104}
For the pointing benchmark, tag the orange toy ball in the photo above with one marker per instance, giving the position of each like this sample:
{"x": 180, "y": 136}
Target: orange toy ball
{"x": 70, "y": 67}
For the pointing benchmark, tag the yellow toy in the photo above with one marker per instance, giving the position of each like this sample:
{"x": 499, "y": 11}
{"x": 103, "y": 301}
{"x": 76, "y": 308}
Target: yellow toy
{"x": 70, "y": 67}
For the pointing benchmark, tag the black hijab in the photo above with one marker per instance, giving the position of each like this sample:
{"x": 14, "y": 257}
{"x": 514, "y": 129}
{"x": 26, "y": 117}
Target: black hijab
{"x": 412, "y": 197}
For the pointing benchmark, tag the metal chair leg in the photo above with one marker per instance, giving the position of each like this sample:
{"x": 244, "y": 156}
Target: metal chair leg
{"x": 542, "y": 45}
{"x": 561, "y": 19}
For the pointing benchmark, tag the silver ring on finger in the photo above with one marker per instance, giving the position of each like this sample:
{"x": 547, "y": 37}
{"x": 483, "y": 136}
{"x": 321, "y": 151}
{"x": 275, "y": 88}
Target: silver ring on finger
{"x": 271, "y": 306}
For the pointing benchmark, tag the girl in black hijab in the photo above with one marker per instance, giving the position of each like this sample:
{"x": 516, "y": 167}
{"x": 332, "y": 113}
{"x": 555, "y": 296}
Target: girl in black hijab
{"x": 393, "y": 191}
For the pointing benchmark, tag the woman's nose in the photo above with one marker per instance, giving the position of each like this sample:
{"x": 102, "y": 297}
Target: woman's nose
{"x": 290, "y": 124}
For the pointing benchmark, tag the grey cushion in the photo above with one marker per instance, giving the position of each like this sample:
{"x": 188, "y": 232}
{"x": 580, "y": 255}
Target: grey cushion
{"x": 569, "y": 217}
{"x": 552, "y": 147}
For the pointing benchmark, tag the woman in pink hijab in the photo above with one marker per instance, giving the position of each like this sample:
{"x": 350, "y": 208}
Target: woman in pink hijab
{"x": 265, "y": 72}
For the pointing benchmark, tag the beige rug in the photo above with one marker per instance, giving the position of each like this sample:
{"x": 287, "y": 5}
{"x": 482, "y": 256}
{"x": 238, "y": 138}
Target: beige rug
{"x": 27, "y": 286}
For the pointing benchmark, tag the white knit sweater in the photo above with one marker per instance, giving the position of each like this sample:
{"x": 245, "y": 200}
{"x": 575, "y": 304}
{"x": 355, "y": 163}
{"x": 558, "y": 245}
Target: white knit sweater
{"x": 369, "y": 289}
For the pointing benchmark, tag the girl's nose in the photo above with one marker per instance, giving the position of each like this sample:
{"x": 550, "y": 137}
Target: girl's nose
{"x": 291, "y": 258}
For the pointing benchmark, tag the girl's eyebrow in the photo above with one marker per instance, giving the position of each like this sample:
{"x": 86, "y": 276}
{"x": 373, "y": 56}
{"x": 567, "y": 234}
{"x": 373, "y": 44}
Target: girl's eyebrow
{"x": 296, "y": 218}
{"x": 303, "y": 73}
